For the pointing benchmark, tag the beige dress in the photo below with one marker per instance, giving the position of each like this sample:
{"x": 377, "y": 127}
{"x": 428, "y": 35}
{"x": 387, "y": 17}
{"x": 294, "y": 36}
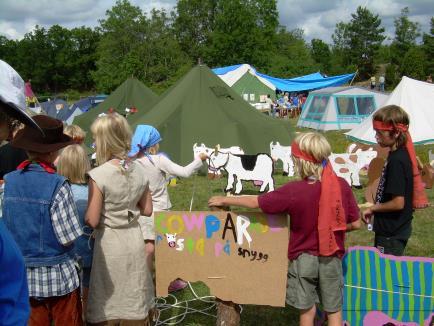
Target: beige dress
{"x": 121, "y": 285}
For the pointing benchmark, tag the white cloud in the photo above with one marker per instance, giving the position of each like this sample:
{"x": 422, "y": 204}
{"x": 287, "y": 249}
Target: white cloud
{"x": 317, "y": 18}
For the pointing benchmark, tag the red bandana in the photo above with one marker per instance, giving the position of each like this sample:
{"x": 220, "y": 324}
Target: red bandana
{"x": 420, "y": 200}
{"x": 46, "y": 166}
{"x": 331, "y": 217}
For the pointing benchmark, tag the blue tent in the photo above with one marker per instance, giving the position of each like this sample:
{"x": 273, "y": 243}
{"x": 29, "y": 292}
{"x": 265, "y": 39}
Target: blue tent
{"x": 308, "y": 82}
{"x": 87, "y": 103}
{"x": 297, "y": 84}
{"x": 57, "y": 108}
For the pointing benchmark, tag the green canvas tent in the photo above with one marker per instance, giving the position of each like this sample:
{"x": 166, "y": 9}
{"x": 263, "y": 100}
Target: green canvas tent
{"x": 252, "y": 89}
{"x": 201, "y": 108}
{"x": 131, "y": 93}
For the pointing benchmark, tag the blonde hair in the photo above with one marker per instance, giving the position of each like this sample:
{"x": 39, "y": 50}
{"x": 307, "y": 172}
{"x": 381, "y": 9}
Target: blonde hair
{"x": 75, "y": 132}
{"x": 153, "y": 150}
{"x": 74, "y": 164}
{"x": 315, "y": 145}
{"x": 112, "y": 136}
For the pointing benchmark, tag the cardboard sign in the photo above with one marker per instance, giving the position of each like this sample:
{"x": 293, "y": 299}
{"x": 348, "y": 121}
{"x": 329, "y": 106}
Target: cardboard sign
{"x": 240, "y": 256}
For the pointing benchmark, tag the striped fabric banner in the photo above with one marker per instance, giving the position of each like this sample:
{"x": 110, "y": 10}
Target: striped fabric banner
{"x": 381, "y": 289}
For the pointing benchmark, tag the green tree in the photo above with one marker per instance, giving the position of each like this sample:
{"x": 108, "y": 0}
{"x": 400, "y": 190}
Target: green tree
{"x": 321, "y": 54}
{"x": 132, "y": 44}
{"x": 413, "y": 63}
{"x": 291, "y": 56}
{"x": 406, "y": 33}
{"x": 244, "y": 31}
{"x": 358, "y": 40}
{"x": 193, "y": 24}
{"x": 84, "y": 45}
{"x": 428, "y": 47}
{"x": 122, "y": 32}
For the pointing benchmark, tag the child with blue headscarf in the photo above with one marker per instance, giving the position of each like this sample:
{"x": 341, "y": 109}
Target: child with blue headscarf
{"x": 144, "y": 148}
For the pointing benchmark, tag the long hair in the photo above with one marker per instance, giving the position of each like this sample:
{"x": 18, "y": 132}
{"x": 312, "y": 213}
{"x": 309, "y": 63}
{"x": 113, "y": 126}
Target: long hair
{"x": 112, "y": 136}
{"x": 317, "y": 146}
{"x": 73, "y": 164}
{"x": 393, "y": 114}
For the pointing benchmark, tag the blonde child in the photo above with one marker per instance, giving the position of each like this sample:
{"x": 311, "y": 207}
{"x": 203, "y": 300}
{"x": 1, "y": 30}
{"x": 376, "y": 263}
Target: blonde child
{"x": 145, "y": 146}
{"x": 74, "y": 164}
{"x": 121, "y": 287}
{"x": 321, "y": 207}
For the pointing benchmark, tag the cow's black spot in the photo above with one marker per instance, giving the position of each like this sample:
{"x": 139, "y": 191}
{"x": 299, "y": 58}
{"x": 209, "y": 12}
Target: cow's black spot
{"x": 248, "y": 161}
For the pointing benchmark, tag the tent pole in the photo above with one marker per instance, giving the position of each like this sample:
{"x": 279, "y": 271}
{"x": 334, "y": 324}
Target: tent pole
{"x": 355, "y": 74}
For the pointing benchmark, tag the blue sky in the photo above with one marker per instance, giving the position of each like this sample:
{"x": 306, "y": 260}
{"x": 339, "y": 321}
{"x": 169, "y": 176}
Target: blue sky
{"x": 316, "y": 17}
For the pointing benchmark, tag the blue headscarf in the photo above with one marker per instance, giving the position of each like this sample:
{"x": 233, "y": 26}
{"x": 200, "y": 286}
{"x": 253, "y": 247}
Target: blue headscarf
{"x": 144, "y": 137}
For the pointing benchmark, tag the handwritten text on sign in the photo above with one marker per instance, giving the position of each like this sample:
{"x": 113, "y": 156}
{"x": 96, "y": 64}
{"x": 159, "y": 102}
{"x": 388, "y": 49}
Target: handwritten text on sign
{"x": 241, "y": 256}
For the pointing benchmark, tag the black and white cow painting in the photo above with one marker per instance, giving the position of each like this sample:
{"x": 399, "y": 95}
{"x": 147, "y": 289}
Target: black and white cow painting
{"x": 257, "y": 168}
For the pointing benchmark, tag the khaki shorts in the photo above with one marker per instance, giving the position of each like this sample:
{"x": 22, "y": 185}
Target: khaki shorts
{"x": 314, "y": 279}
{"x": 147, "y": 227}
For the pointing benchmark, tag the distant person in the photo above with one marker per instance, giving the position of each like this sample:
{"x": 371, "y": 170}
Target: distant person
{"x": 381, "y": 82}
{"x": 316, "y": 240}
{"x": 35, "y": 189}
{"x": 373, "y": 82}
{"x": 429, "y": 79}
{"x": 271, "y": 104}
{"x": 400, "y": 187}
{"x": 76, "y": 133}
{"x": 157, "y": 167}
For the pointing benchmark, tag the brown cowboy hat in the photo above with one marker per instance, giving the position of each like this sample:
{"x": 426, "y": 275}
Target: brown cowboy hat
{"x": 32, "y": 140}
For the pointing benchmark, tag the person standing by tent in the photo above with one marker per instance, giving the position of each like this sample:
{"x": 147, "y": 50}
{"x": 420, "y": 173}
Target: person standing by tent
{"x": 400, "y": 188}
{"x": 322, "y": 208}
{"x": 36, "y": 190}
{"x": 373, "y": 82}
{"x": 144, "y": 148}
{"x": 121, "y": 286}
{"x": 381, "y": 82}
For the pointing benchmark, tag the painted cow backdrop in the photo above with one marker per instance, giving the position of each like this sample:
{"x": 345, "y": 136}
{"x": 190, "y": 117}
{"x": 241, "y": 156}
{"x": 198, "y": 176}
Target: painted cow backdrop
{"x": 198, "y": 149}
{"x": 283, "y": 153}
{"x": 348, "y": 165}
{"x": 387, "y": 290}
{"x": 257, "y": 168}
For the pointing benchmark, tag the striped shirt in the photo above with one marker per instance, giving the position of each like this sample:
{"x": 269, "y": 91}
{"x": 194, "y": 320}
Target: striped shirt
{"x": 60, "y": 279}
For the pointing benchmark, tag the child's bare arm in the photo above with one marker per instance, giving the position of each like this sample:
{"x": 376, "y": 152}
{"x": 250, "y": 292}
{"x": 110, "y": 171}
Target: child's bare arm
{"x": 145, "y": 204}
{"x": 243, "y": 201}
{"x": 94, "y": 205}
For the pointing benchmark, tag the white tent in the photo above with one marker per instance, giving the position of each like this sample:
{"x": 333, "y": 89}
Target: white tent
{"x": 417, "y": 99}
{"x": 232, "y": 76}
{"x": 75, "y": 113}
{"x": 335, "y": 108}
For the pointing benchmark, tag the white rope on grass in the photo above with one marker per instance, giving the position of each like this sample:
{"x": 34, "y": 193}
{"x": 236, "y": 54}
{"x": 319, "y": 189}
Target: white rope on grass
{"x": 162, "y": 305}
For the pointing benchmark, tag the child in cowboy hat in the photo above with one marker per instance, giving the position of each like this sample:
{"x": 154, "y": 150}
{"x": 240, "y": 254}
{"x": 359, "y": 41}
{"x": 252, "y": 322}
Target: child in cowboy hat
{"x": 322, "y": 208}
{"x": 40, "y": 212}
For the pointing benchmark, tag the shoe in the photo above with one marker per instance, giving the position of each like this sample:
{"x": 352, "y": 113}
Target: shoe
{"x": 177, "y": 285}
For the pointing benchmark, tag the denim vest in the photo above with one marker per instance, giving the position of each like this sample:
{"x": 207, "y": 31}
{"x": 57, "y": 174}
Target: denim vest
{"x": 83, "y": 246}
{"x": 28, "y": 196}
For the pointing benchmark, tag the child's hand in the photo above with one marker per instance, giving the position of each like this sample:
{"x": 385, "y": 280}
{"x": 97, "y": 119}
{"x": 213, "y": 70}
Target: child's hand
{"x": 216, "y": 201}
{"x": 366, "y": 215}
{"x": 203, "y": 156}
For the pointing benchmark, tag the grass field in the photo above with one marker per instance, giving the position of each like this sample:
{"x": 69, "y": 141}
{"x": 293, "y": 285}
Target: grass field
{"x": 200, "y": 188}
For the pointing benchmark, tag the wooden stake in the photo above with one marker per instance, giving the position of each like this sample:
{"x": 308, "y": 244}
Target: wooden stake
{"x": 228, "y": 312}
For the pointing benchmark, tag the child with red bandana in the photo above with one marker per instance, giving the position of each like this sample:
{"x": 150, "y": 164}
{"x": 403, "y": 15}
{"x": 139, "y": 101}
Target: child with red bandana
{"x": 322, "y": 208}
{"x": 400, "y": 188}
